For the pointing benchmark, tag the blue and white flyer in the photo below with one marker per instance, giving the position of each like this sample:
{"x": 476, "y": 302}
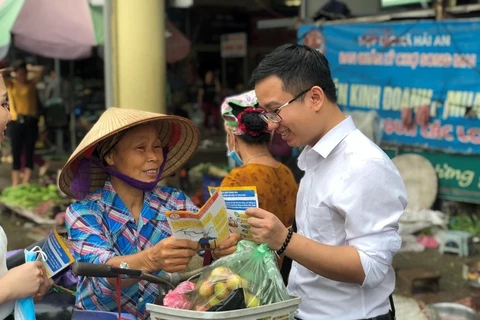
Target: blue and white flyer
{"x": 237, "y": 201}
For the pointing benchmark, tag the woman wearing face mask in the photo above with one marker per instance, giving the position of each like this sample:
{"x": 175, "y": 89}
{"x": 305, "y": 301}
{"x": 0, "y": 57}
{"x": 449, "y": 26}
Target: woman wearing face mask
{"x": 28, "y": 279}
{"x": 248, "y": 142}
{"x": 120, "y": 218}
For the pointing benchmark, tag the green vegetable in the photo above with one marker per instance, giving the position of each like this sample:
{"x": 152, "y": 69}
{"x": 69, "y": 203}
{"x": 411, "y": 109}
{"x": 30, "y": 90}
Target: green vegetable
{"x": 465, "y": 223}
{"x": 29, "y": 196}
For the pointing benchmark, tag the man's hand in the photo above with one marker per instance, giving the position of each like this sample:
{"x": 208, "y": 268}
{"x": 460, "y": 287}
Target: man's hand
{"x": 227, "y": 247}
{"x": 266, "y": 228}
{"x": 44, "y": 287}
{"x": 171, "y": 255}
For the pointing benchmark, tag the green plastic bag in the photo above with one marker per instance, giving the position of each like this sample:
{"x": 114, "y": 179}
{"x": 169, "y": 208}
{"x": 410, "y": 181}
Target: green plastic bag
{"x": 252, "y": 267}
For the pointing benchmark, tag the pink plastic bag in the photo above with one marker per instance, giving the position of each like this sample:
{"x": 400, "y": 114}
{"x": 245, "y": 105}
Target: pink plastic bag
{"x": 428, "y": 242}
{"x": 178, "y": 298}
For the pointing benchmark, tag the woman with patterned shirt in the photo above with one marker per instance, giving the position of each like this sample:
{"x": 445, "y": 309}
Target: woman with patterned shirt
{"x": 120, "y": 218}
{"x": 248, "y": 140}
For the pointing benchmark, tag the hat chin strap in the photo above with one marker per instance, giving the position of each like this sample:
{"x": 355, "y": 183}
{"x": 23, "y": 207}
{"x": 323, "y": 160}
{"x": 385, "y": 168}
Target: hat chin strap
{"x": 81, "y": 183}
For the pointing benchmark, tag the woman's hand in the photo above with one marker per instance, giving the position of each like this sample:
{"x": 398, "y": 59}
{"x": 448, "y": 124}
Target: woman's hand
{"x": 171, "y": 255}
{"x": 227, "y": 247}
{"x": 22, "y": 281}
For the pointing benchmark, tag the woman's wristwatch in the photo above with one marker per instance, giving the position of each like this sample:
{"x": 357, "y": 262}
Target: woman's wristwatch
{"x": 124, "y": 265}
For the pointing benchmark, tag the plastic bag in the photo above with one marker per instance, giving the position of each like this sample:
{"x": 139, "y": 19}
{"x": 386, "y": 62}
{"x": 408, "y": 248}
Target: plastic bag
{"x": 252, "y": 268}
{"x": 179, "y": 298}
{"x": 25, "y": 308}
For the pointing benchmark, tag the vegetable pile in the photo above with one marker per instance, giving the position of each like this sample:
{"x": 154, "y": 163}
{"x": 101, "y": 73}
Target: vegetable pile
{"x": 469, "y": 223}
{"x": 30, "y": 196}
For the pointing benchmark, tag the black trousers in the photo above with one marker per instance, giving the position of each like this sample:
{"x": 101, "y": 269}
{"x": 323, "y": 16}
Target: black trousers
{"x": 23, "y": 136}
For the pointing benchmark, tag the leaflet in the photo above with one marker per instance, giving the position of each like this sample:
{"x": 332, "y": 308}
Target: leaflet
{"x": 208, "y": 226}
{"x": 57, "y": 254}
{"x": 237, "y": 201}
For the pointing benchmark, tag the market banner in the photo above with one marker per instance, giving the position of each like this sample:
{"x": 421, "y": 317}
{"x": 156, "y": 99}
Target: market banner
{"x": 421, "y": 77}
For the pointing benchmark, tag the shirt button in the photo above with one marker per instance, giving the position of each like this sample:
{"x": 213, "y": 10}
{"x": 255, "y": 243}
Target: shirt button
{"x": 140, "y": 299}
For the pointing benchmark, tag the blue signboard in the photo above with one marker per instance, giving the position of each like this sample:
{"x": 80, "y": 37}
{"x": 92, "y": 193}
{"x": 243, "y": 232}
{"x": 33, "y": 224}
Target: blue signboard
{"x": 400, "y": 68}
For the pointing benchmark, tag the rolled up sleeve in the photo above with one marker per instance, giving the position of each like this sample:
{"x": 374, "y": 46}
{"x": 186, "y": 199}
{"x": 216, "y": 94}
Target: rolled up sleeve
{"x": 88, "y": 240}
{"x": 372, "y": 201}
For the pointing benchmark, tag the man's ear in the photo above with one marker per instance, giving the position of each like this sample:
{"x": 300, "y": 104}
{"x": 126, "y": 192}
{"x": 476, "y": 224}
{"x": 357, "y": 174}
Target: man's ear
{"x": 317, "y": 98}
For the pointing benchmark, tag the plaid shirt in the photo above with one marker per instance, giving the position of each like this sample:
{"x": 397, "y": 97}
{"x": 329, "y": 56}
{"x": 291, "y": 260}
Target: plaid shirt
{"x": 100, "y": 227}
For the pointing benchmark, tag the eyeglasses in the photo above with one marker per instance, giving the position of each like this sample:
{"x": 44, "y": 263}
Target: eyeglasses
{"x": 274, "y": 116}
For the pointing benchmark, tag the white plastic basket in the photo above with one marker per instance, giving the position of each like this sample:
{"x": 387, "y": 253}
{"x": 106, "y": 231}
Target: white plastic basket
{"x": 284, "y": 310}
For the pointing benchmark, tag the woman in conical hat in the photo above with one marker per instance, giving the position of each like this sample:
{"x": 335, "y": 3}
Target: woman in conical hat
{"x": 120, "y": 218}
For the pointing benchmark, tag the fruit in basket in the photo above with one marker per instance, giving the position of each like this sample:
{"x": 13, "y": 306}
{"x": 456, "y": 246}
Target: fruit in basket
{"x": 206, "y": 289}
{"x": 235, "y": 281}
{"x": 221, "y": 290}
{"x": 213, "y": 302}
{"x": 220, "y": 272}
{"x": 251, "y": 300}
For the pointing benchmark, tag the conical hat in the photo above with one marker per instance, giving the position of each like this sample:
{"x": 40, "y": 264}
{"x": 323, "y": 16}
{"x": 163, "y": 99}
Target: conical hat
{"x": 180, "y": 135}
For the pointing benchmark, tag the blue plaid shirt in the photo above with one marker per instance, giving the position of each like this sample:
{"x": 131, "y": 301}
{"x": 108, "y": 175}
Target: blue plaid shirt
{"x": 100, "y": 227}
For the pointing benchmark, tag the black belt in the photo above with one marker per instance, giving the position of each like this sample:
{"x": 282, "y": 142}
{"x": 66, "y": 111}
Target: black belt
{"x": 390, "y": 315}
{"x": 387, "y": 316}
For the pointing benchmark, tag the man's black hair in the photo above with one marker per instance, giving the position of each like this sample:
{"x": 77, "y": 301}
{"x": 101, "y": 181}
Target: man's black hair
{"x": 299, "y": 67}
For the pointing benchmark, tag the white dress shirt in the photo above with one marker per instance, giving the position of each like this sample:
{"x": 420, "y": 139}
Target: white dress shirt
{"x": 6, "y": 308}
{"x": 351, "y": 195}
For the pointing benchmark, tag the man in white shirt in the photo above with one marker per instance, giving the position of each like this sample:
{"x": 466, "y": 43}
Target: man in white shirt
{"x": 349, "y": 200}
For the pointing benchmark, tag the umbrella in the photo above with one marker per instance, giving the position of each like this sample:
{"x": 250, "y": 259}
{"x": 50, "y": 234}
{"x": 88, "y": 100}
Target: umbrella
{"x": 66, "y": 29}
{"x": 55, "y": 28}
{"x": 9, "y": 10}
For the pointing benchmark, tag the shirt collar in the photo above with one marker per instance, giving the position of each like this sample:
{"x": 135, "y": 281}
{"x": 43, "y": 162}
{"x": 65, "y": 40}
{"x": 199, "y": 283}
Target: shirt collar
{"x": 328, "y": 142}
{"x": 109, "y": 197}
{"x": 333, "y": 137}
